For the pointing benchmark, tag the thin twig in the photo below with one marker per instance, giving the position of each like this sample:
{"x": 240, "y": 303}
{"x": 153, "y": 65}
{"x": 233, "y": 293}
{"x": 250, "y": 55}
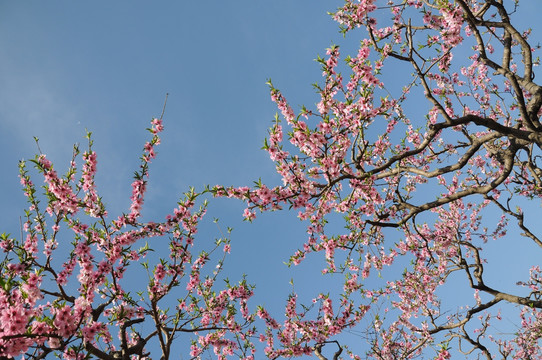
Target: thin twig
{"x": 164, "y": 108}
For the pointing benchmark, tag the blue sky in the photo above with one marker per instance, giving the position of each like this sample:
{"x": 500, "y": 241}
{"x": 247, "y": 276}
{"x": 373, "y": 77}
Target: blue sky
{"x": 106, "y": 66}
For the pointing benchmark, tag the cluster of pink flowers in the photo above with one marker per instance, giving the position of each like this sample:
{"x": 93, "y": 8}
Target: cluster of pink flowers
{"x": 43, "y": 312}
{"x": 412, "y": 193}
{"x": 368, "y": 161}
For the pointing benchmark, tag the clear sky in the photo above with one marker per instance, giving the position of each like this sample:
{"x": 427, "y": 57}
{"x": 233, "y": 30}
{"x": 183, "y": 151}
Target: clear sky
{"x": 106, "y": 66}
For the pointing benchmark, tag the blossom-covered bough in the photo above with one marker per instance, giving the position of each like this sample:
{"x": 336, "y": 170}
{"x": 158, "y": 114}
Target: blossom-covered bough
{"x": 87, "y": 300}
{"x": 429, "y": 149}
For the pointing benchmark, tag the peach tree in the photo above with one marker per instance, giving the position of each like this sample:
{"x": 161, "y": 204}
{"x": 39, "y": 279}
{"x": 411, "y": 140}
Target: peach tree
{"x": 426, "y": 153}
{"x": 86, "y": 299}
{"x": 427, "y": 143}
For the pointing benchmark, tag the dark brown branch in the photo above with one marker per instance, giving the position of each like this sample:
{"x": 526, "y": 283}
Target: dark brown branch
{"x": 519, "y": 217}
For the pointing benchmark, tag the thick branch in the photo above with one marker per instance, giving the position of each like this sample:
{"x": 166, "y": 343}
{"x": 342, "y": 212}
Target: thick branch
{"x": 318, "y": 350}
